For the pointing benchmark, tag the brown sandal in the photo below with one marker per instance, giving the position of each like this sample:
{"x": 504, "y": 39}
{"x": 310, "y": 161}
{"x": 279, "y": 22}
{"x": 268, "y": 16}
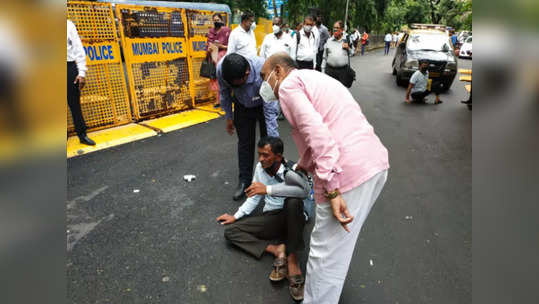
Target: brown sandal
{"x": 280, "y": 270}
{"x": 296, "y": 287}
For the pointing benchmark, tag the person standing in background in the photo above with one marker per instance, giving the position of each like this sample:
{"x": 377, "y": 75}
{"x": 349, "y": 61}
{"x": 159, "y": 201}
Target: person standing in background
{"x": 336, "y": 52}
{"x": 387, "y": 43}
{"x": 395, "y": 37}
{"x": 217, "y": 48}
{"x": 276, "y": 42}
{"x": 76, "y": 73}
{"x": 354, "y": 38}
{"x": 324, "y": 36}
{"x": 242, "y": 39}
{"x": 454, "y": 39}
{"x": 286, "y": 29}
{"x": 306, "y": 45}
{"x": 364, "y": 41}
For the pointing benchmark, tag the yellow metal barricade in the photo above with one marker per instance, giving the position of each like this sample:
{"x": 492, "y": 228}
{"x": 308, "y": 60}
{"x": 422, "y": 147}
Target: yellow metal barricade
{"x": 200, "y": 22}
{"x": 104, "y": 99}
{"x": 156, "y": 58}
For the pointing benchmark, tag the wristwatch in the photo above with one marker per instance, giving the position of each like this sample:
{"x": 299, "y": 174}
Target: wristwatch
{"x": 333, "y": 194}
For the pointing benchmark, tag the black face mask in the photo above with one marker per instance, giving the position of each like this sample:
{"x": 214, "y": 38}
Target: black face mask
{"x": 218, "y": 24}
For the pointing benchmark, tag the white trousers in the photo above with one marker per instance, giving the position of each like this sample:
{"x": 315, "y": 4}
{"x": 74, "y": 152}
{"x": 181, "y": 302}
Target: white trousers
{"x": 331, "y": 247}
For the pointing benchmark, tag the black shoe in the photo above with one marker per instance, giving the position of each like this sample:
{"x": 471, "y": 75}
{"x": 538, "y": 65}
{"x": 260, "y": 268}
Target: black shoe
{"x": 240, "y": 191}
{"x": 86, "y": 140}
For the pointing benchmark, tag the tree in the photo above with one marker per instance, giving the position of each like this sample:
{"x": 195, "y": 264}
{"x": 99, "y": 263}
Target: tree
{"x": 416, "y": 12}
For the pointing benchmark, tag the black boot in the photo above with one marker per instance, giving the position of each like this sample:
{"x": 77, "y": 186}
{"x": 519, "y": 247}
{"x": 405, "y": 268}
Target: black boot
{"x": 84, "y": 139}
{"x": 240, "y": 191}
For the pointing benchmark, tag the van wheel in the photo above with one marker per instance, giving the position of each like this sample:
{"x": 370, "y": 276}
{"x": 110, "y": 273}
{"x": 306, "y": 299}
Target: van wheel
{"x": 400, "y": 82}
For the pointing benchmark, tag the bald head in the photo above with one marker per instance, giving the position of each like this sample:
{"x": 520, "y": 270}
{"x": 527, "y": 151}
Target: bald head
{"x": 276, "y": 69}
{"x": 282, "y": 59}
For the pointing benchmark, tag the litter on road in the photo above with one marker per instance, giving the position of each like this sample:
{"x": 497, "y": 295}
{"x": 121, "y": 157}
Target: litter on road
{"x": 189, "y": 178}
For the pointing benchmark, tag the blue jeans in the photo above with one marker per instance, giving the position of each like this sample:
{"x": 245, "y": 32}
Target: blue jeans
{"x": 362, "y": 49}
{"x": 386, "y": 49}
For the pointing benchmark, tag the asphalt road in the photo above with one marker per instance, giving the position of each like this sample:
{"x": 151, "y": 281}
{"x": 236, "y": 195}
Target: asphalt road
{"x": 138, "y": 233}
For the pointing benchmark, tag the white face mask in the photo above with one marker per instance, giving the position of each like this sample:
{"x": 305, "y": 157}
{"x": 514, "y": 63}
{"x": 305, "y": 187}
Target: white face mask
{"x": 307, "y": 28}
{"x": 266, "y": 91}
{"x": 276, "y": 29}
{"x": 253, "y": 26}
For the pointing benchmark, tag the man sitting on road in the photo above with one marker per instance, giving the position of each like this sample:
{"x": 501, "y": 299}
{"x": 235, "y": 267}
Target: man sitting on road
{"x": 419, "y": 83}
{"x": 282, "y": 190}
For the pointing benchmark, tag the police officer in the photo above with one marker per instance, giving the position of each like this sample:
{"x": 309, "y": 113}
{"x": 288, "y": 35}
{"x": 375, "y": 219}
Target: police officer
{"x": 76, "y": 72}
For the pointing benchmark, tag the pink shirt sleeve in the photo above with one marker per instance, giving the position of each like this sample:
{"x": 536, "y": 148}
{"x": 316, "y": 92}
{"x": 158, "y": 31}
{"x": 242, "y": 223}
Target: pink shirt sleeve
{"x": 318, "y": 139}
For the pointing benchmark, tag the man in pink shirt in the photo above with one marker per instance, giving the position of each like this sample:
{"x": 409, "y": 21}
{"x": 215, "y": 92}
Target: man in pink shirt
{"x": 338, "y": 146}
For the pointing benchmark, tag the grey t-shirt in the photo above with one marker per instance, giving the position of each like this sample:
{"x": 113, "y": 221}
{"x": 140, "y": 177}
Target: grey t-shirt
{"x": 419, "y": 80}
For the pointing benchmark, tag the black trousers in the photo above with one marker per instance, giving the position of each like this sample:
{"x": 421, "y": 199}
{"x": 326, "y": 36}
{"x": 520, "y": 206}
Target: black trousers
{"x": 9, "y": 103}
{"x": 305, "y": 64}
{"x": 436, "y": 87}
{"x": 386, "y": 47}
{"x": 319, "y": 57}
{"x": 245, "y": 123}
{"x": 73, "y": 99}
{"x": 336, "y": 72}
{"x": 254, "y": 233}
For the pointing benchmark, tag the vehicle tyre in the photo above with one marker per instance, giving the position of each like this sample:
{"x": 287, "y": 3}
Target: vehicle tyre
{"x": 400, "y": 82}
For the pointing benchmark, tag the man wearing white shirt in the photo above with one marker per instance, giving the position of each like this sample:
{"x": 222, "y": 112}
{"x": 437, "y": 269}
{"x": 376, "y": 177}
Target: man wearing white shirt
{"x": 387, "y": 42}
{"x": 276, "y": 42}
{"x": 282, "y": 190}
{"x": 242, "y": 39}
{"x": 306, "y": 45}
{"x": 323, "y": 36}
{"x": 76, "y": 72}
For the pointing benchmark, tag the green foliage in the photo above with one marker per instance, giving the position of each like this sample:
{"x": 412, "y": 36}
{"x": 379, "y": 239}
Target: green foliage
{"x": 378, "y": 16}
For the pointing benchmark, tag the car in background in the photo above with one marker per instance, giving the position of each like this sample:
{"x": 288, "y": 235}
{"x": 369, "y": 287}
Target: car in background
{"x": 461, "y": 37}
{"x": 466, "y": 48}
{"x": 425, "y": 42}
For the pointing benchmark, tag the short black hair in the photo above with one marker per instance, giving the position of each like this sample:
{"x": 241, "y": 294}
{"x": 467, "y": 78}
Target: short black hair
{"x": 341, "y": 24}
{"x": 421, "y": 61}
{"x": 275, "y": 143}
{"x": 246, "y": 16}
{"x": 234, "y": 67}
